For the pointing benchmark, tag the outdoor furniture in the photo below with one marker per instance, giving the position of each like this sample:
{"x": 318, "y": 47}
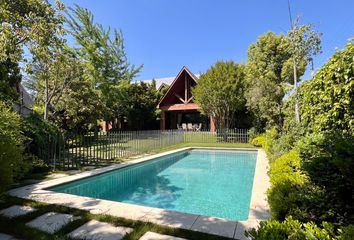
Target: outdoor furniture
{"x": 199, "y": 127}
{"x": 190, "y": 127}
{"x": 184, "y": 127}
{"x": 179, "y": 127}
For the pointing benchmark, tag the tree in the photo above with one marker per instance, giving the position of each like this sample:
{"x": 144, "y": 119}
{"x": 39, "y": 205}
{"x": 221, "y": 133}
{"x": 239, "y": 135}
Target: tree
{"x": 141, "y": 104}
{"x": 10, "y": 54}
{"x": 268, "y": 72}
{"x": 304, "y": 43}
{"x": 220, "y": 92}
{"x": 104, "y": 57}
{"x": 32, "y": 24}
{"x": 70, "y": 100}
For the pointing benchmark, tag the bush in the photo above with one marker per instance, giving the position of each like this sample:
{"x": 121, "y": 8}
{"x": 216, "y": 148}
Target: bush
{"x": 10, "y": 145}
{"x": 327, "y": 101}
{"x": 259, "y": 141}
{"x": 253, "y": 133}
{"x": 328, "y": 162}
{"x": 295, "y": 230}
{"x": 286, "y": 194}
{"x": 267, "y": 142}
{"x": 37, "y": 132}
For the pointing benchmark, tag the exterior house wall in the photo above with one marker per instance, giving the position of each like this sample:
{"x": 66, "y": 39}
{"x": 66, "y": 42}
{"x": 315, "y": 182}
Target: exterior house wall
{"x": 178, "y": 100}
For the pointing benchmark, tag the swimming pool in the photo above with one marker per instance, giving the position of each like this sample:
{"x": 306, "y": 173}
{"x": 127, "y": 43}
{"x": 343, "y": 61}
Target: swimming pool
{"x": 215, "y": 183}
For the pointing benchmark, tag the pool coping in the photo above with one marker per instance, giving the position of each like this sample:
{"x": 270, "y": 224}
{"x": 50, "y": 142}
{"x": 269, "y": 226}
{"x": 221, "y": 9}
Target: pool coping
{"x": 259, "y": 209}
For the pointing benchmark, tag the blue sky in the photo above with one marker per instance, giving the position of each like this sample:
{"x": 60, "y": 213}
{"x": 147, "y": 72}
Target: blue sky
{"x": 165, "y": 35}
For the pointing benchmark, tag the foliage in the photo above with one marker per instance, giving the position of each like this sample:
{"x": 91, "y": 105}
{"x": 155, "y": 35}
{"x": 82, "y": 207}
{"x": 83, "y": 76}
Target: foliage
{"x": 328, "y": 162}
{"x": 268, "y": 70}
{"x": 259, "y": 141}
{"x": 141, "y": 105}
{"x": 220, "y": 92}
{"x": 10, "y": 145}
{"x": 10, "y": 75}
{"x": 295, "y": 230}
{"x": 289, "y": 186}
{"x": 104, "y": 57}
{"x": 304, "y": 42}
{"x": 37, "y": 130}
{"x": 73, "y": 105}
{"x": 323, "y": 194}
{"x": 34, "y": 25}
{"x": 23, "y": 23}
{"x": 327, "y": 101}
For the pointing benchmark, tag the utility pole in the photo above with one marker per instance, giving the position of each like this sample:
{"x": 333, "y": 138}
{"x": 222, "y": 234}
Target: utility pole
{"x": 297, "y": 114}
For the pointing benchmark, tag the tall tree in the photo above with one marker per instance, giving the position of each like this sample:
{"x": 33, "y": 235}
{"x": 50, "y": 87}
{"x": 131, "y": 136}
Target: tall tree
{"x": 268, "y": 72}
{"x": 24, "y": 23}
{"x": 104, "y": 56}
{"x": 61, "y": 87}
{"x": 140, "y": 111}
{"x": 304, "y": 43}
{"x": 220, "y": 92}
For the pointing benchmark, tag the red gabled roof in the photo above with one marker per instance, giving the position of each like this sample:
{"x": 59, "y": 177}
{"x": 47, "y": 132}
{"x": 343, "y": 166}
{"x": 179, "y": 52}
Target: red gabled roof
{"x": 184, "y": 69}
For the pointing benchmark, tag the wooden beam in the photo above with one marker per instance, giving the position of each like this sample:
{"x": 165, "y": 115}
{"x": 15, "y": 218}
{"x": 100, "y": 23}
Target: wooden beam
{"x": 185, "y": 88}
{"x": 180, "y": 98}
{"x": 180, "y": 107}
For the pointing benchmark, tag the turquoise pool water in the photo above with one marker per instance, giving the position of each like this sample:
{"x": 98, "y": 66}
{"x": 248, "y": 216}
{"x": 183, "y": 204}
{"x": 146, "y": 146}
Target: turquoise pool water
{"x": 208, "y": 182}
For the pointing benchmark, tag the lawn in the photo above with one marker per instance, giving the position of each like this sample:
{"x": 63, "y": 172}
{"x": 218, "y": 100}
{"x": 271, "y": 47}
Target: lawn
{"x": 111, "y": 147}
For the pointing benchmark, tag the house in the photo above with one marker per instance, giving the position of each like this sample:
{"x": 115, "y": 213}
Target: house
{"x": 177, "y": 105}
{"x": 25, "y": 102}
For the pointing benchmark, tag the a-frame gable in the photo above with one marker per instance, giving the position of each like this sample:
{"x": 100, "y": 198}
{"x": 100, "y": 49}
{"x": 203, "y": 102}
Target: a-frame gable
{"x": 179, "y": 91}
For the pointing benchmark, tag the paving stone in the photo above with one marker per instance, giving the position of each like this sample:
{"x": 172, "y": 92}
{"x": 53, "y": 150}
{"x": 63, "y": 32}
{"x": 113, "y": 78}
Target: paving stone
{"x": 16, "y": 210}
{"x": 157, "y": 236}
{"x": 242, "y": 226}
{"x": 171, "y": 218}
{"x": 58, "y": 175}
{"x": 95, "y": 230}
{"x": 51, "y": 222}
{"x": 4, "y": 236}
{"x": 217, "y": 226}
{"x": 128, "y": 211}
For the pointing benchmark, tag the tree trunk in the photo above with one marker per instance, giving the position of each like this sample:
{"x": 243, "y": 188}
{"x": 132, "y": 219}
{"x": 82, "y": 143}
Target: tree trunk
{"x": 46, "y": 99}
{"x": 297, "y": 115}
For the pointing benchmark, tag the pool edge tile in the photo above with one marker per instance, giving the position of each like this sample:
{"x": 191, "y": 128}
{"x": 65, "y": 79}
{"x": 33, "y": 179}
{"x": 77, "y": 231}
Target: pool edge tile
{"x": 216, "y": 226}
{"x": 170, "y": 218}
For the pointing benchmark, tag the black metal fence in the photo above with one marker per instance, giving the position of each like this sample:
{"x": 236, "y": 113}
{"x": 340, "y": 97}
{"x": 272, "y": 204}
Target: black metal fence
{"x": 75, "y": 150}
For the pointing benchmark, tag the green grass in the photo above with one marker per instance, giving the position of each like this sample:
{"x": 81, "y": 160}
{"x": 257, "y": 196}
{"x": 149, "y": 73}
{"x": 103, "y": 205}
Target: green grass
{"x": 17, "y": 226}
{"x": 196, "y": 144}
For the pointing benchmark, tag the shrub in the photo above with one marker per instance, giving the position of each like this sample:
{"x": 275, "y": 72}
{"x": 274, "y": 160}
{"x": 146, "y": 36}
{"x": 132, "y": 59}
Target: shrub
{"x": 37, "y": 132}
{"x": 253, "y": 133}
{"x": 295, "y": 230}
{"x": 10, "y": 145}
{"x": 328, "y": 162}
{"x": 267, "y": 142}
{"x": 289, "y": 186}
{"x": 327, "y": 101}
{"x": 259, "y": 141}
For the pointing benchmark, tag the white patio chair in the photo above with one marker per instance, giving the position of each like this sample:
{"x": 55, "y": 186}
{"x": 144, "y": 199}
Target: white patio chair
{"x": 189, "y": 126}
{"x": 179, "y": 127}
{"x": 199, "y": 127}
{"x": 184, "y": 127}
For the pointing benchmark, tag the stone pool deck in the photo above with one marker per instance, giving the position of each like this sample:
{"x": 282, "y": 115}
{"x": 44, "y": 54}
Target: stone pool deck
{"x": 259, "y": 209}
